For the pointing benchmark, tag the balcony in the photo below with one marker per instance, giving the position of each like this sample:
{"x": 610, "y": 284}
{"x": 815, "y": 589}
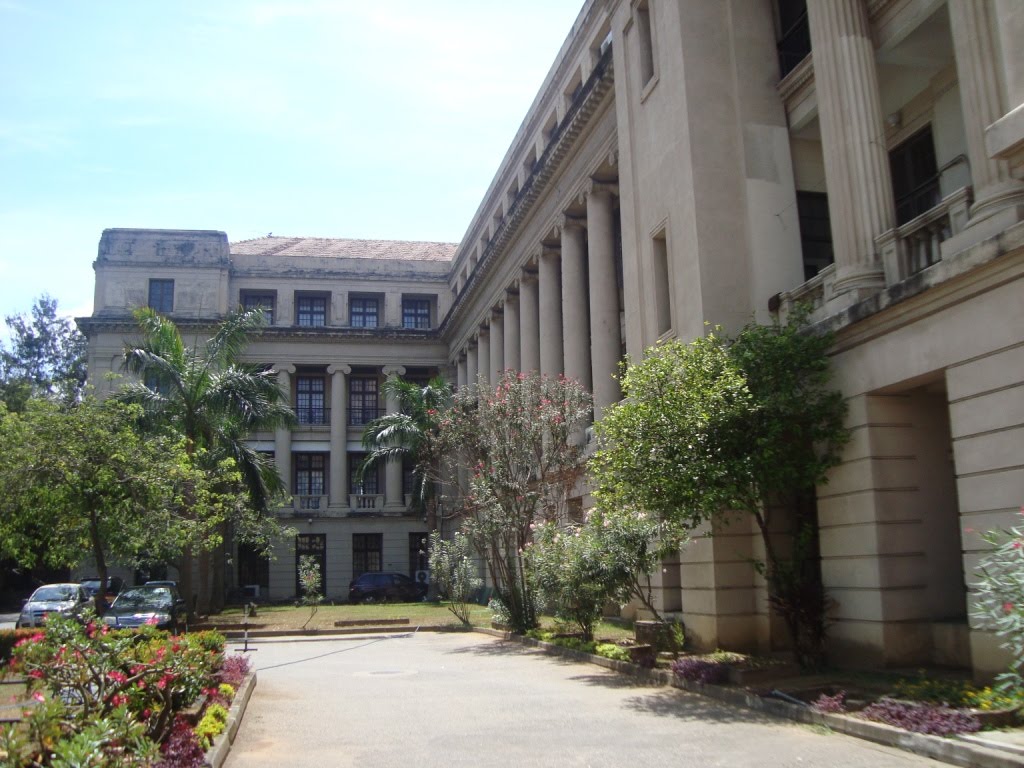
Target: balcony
{"x": 362, "y": 502}
{"x": 360, "y": 417}
{"x": 916, "y": 245}
{"x": 309, "y": 502}
{"x": 313, "y": 416}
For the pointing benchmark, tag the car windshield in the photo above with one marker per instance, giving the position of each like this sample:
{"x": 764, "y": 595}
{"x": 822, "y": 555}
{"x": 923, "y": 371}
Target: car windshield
{"x": 150, "y": 599}
{"x": 55, "y": 593}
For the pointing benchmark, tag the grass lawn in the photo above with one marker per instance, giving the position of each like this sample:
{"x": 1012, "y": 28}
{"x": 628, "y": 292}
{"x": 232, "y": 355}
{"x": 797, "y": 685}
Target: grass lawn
{"x": 288, "y": 617}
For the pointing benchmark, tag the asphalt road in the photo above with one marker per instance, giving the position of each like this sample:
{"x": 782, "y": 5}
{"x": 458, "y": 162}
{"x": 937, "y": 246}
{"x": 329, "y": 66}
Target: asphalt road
{"x": 470, "y": 700}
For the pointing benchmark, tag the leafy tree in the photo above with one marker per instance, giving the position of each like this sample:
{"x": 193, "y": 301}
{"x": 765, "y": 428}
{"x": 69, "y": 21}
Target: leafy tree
{"x": 85, "y": 482}
{"x": 213, "y": 401}
{"x": 311, "y": 583}
{"x": 453, "y": 572}
{"x": 720, "y": 425}
{"x": 46, "y": 357}
{"x": 405, "y": 434}
{"x": 514, "y": 445}
{"x": 632, "y": 544}
{"x": 999, "y": 598}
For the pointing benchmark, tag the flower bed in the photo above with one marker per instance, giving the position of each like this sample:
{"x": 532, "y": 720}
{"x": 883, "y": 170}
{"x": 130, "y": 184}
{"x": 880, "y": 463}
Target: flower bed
{"x": 119, "y": 698}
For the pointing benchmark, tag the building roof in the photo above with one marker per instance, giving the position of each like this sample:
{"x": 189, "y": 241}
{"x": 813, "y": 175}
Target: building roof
{"x": 331, "y": 247}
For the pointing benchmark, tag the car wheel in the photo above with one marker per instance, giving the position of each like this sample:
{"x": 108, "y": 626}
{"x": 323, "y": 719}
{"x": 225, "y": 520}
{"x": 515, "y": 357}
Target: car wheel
{"x": 368, "y": 599}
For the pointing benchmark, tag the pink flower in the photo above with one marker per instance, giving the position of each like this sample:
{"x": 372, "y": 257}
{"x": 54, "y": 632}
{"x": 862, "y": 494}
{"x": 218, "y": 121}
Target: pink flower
{"x": 1007, "y": 607}
{"x": 1018, "y": 544}
{"x": 118, "y": 699}
{"x": 36, "y": 674}
{"x": 118, "y": 677}
{"x": 38, "y": 696}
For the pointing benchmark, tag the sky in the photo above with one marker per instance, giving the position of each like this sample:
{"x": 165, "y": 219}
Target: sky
{"x": 343, "y": 118}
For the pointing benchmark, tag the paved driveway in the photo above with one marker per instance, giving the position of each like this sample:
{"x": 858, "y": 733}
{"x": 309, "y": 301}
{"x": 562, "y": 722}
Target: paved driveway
{"x": 471, "y": 700}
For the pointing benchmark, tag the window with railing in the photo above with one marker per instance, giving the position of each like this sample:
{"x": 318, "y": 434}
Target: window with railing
{"x": 815, "y": 231}
{"x": 309, "y": 400}
{"x": 793, "y": 34}
{"x": 915, "y": 176}
{"x": 310, "y": 479}
{"x": 362, "y": 401}
{"x": 362, "y": 483}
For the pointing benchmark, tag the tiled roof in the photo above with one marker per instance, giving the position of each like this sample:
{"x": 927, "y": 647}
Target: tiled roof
{"x": 329, "y": 247}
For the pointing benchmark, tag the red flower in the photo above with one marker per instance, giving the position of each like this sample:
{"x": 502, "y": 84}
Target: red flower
{"x": 36, "y": 673}
{"x": 1007, "y": 607}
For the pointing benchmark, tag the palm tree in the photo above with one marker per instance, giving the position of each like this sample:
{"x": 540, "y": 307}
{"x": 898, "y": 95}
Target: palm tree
{"x": 213, "y": 401}
{"x": 404, "y": 434}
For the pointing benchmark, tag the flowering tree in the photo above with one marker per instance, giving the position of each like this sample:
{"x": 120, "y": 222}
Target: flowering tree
{"x": 999, "y": 597}
{"x": 516, "y": 444}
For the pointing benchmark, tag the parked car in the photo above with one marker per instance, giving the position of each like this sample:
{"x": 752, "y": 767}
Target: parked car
{"x": 68, "y": 599}
{"x": 115, "y": 584}
{"x": 385, "y": 587}
{"x": 159, "y": 605}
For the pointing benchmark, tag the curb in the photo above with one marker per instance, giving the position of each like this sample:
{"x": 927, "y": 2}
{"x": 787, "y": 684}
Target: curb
{"x": 218, "y": 753}
{"x": 954, "y": 751}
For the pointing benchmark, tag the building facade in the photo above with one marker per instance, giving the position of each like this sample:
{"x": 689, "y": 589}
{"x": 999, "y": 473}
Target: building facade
{"x": 692, "y": 161}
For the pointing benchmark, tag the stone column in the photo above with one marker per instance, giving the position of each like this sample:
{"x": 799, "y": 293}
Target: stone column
{"x": 1010, "y": 23}
{"x": 483, "y": 358}
{"x": 575, "y": 312}
{"x": 497, "y": 346}
{"x": 512, "y": 351}
{"x": 472, "y": 367}
{"x": 460, "y": 372}
{"x": 337, "y": 478}
{"x": 978, "y": 70}
{"x": 394, "y": 498}
{"x": 549, "y": 296}
{"x": 856, "y": 161}
{"x": 283, "y": 435}
{"x": 529, "y": 333}
{"x": 605, "y": 334}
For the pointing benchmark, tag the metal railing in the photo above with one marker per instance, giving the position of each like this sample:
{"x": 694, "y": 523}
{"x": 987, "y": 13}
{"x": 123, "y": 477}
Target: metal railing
{"x": 310, "y": 502}
{"x": 315, "y": 415}
{"x": 358, "y": 417}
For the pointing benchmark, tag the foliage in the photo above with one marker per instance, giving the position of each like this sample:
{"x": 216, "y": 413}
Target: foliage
{"x": 999, "y": 598}
{"x": 311, "y": 583}
{"x": 719, "y": 425}
{"x": 499, "y": 613}
{"x": 454, "y": 572}
{"x": 81, "y": 479}
{"x": 182, "y": 748}
{"x": 46, "y": 357}
{"x": 612, "y": 651}
{"x": 211, "y": 725}
{"x": 571, "y": 573}
{"x": 405, "y": 434}
{"x": 233, "y": 671}
{"x": 700, "y": 670}
{"x": 213, "y": 401}
{"x": 830, "y": 705}
{"x": 514, "y": 444}
{"x": 99, "y": 691}
{"x": 921, "y": 718}
{"x": 8, "y": 639}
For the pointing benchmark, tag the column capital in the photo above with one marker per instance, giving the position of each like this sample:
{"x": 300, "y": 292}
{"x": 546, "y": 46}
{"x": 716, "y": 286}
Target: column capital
{"x": 596, "y": 188}
{"x": 512, "y": 291}
{"x": 397, "y": 370}
{"x": 283, "y": 368}
{"x": 527, "y": 275}
{"x": 567, "y": 223}
{"x": 613, "y": 157}
{"x": 334, "y": 368}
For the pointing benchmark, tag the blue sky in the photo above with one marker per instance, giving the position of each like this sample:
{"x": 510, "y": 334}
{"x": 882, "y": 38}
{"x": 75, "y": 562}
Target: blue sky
{"x": 383, "y": 120}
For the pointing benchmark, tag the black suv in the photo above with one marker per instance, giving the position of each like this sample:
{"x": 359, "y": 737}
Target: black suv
{"x": 384, "y": 587}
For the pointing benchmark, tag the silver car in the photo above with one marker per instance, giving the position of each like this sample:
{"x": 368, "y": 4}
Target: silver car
{"x": 68, "y": 599}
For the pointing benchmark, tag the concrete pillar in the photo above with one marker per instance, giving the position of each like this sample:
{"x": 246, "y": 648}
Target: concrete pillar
{"x": 283, "y": 435}
{"x": 979, "y": 71}
{"x": 483, "y": 358}
{"x": 575, "y": 298}
{"x": 472, "y": 368}
{"x": 605, "y": 335}
{"x": 1010, "y": 23}
{"x": 497, "y": 346}
{"x": 338, "y": 471}
{"x": 529, "y": 333}
{"x": 512, "y": 341}
{"x": 549, "y": 297}
{"x": 394, "y": 498}
{"x": 460, "y": 372}
{"x": 857, "y": 174}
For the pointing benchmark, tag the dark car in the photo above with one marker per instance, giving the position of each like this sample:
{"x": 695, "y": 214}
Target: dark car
{"x": 384, "y": 587}
{"x": 91, "y": 586}
{"x": 155, "y": 604}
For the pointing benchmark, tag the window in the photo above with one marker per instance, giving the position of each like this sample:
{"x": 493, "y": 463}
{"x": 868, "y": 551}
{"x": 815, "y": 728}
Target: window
{"x": 793, "y": 34}
{"x": 309, "y": 400}
{"x": 311, "y": 311}
{"x": 313, "y": 545}
{"x": 161, "y": 295}
{"x": 915, "y": 176}
{"x": 261, "y": 300}
{"x": 662, "y": 292}
{"x": 415, "y": 313}
{"x": 254, "y": 567}
{"x": 367, "y": 553}
{"x": 310, "y": 479}
{"x": 815, "y": 231}
{"x": 368, "y": 484}
{"x": 642, "y": 19}
{"x": 362, "y": 312}
{"x": 419, "y": 560}
{"x": 362, "y": 400}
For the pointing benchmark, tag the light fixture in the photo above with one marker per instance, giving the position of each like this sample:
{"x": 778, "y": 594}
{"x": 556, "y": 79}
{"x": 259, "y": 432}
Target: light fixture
{"x": 893, "y": 119}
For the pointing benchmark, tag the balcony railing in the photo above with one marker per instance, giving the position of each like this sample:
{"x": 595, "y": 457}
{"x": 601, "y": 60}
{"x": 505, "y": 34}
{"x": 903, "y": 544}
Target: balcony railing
{"x": 794, "y": 45}
{"x": 314, "y": 416}
{"x": 359, "y": 417}
{"x": 362, "y": 501}
{"x": 310, "y": 502}
{"x": 916, "y": 245}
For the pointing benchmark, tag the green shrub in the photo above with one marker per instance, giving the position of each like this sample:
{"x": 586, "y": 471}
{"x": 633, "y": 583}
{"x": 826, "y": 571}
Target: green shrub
{"x": 612, "y": 651}
{"x": 212, "y": 724}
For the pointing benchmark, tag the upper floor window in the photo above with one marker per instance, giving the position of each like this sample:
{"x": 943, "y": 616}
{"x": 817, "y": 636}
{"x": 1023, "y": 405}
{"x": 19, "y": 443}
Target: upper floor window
{"x": 161, "y": 295}
{"x": 310, "y": 478}
{"x": 311, "y": 311}
{"x": 793, "y": 34}
{"x": 645, "y": 38}
{"x": 264, "y": 300}
{"x": 415, "y": 313}
{"x": 915, "y": 176}
{"x": 309, "y": 400}
{"x": 815, "y": 231}
{"x": 362, "y": 400}
{"x": 363, "y": 312}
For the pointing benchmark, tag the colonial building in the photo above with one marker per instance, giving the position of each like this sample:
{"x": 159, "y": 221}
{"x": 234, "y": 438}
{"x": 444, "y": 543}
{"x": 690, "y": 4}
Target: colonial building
{"x": 689, "y": 161}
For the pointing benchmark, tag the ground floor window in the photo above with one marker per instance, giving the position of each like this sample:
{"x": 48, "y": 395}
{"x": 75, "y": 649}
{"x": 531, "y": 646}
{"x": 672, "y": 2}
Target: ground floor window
{"x": 419, "y": 562}
{"x": 253, "y": 570}
{"x": 367, "y": 553}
